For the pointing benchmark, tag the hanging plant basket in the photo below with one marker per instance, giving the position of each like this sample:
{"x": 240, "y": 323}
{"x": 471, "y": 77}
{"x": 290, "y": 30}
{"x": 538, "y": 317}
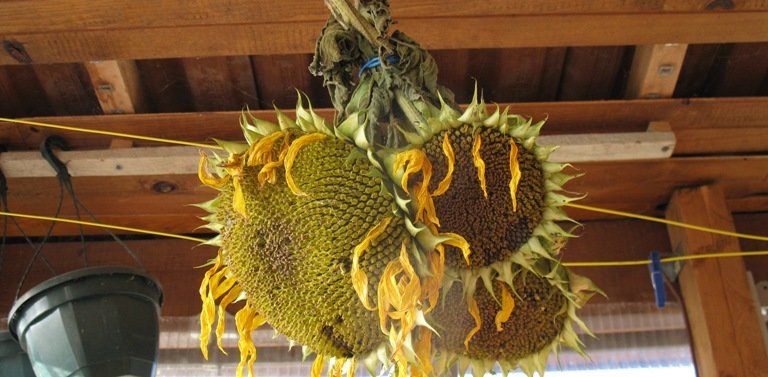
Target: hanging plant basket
{"x": 13, "y": 360}
{"x": 100, "y": 321}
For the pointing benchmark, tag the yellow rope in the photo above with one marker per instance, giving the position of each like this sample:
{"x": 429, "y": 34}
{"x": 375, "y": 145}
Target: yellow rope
{"x": 107, "y": 226}
{"x": 567, "y": 264}
{"x": 668, "y": 222}
{"x": 666, "y": 260}
{"x": 110, "y": 133}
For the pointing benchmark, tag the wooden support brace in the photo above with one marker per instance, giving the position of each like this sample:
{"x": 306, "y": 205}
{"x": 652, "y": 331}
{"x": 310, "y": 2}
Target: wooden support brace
{"x": 727, "y": 340}
{"x": 117, "y": 86}
{"x": 657, "y": 142}
{"x": 183, "y": 160}
{"x": 655, "y": 69}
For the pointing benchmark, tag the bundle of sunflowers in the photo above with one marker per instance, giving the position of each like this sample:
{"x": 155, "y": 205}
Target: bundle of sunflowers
{"x": 406, "y": 235}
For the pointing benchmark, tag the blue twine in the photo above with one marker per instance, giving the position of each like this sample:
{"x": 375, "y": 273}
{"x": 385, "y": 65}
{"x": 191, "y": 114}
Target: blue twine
{"x": 376, "y": 61}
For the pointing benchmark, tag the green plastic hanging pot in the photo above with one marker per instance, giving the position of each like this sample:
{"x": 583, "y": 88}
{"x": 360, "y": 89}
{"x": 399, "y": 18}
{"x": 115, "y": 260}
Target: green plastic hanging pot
{"x": 93, "y": 322}
{"x": 13, "y": 360}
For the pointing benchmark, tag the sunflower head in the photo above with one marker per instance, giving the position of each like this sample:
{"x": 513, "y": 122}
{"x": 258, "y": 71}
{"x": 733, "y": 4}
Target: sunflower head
{"x": 515, "y": 325}
{"x": 300, "y": 217}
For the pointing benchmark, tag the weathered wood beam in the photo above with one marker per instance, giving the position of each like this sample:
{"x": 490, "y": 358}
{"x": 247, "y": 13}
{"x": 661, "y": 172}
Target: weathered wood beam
{"x": 702, "y": 126}
{"x": 183, "y": 160}
{"x": 727, "y": 339}
{"x": 110, "y": 31}
{"x": 117, "y": 86}
{"x": 655, "y": 69}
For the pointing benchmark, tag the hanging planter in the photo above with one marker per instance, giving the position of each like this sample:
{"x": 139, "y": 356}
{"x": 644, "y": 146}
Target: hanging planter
{"x": 100, "y": 321}
{"x": 13, "y": 360}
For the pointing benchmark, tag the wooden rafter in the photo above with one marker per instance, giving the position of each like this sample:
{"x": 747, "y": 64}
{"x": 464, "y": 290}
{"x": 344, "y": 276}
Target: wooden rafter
{"x": 73, "y": 31}
{"x": 702, "y": 126}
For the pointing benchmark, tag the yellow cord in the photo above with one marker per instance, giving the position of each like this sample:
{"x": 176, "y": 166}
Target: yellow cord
{"x": 107, "y": 226}
{"x": 110, "y": 133}
{"x": 666, "y": 260}
{"x": 567, "y": 264}
{"x": 668, "y": 222}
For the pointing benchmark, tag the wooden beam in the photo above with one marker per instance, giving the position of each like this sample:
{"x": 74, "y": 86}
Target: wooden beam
{"x": 727, "y": 339}
{"x": 610, "y": 147}
{"x": 117, "y": 86}
{"x": 655, "y": 69}
{"x": 197, "y": 31}
{"x": 57, "y": 15}
{"x": 702, "y": 126}
{"x": 184, "y": 160}
{"x": 221, "y": 83}
{"x": 106, "y": 162}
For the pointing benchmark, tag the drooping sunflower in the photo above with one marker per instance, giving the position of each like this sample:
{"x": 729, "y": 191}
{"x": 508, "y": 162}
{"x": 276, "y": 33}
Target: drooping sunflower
{"x": 476, "y": 175}
{"x": 313, "y": 245}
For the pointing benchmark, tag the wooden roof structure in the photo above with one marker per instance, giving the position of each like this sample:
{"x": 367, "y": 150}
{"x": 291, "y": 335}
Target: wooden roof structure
{"x": 693, "y": 69}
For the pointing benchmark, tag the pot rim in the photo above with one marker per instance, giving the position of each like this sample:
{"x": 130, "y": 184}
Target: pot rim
{"x": 28, "y": 297}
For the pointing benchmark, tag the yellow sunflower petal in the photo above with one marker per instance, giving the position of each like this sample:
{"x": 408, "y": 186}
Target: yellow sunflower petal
{"x": 477, "y": 159}
{"x": 206, "y": 177}
{"x": 336, "y": 368}
{"x": 238, "y": 198}
{"x": 458, "y": 241}
{"x": 247, "y": 320}
{"x": 262, "y": 152}
{"x": 507, "y": 306}
{"x": 208, "y": 312}
{"x": 317, "y": 366}
{"x": 474, "y": 311}
{"x": 423, "y": 350}
{"x": 514, "y": 168}
{"x": 432, "y": 284}
{"x": 443, "y": 186}
{"x": 352, "y": 367}
{"x": 293, "y": 152}
{"x": 268, "y": 172}
{"x": 359, "y": 278}
{"x": 231, "y": 296}
{"x": 415, "y": 161}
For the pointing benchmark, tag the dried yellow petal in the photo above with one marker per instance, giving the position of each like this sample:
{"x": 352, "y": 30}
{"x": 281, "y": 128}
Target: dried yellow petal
{"x": 293, "y": 152}
{"x": 474, "y": 311}
{"x": 206, "y": 177}
{"x": 442, "y": 187}
{"x": 514, "y": 168}
{"x": 317, "y": 366}
{"x": 359, "y": 278}
{"x": 507, "y": 306}
{"x": 477, "y": 159}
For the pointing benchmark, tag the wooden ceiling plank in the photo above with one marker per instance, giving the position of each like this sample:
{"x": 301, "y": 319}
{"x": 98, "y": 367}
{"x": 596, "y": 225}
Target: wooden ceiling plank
{"x": 221, "y": 83}
{"x": 184, "y": 160}
{"x": 117, "y": 86}
{"x": 67, "y": 88}
{"x": 278, "y": 77}
{"x": 702, "y": 126}
{"x": 57, "y": 15}
{"x": 722, "y": 314}
{"x": 540, "y": 30}
{"x": 655, "y": 70}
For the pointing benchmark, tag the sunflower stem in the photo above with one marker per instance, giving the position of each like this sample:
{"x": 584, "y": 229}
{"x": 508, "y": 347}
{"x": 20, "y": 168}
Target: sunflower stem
{"x": 349, "y": 16}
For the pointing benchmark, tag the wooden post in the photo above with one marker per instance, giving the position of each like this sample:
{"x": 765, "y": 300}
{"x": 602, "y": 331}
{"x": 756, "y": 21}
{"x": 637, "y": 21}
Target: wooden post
{"x": 727, "y": 340}
{"x": 655, "y": 69}
{"x": 117, "y": 86}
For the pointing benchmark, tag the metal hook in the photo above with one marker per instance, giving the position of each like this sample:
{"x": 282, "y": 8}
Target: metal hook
{"x": 46, "y": 149}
